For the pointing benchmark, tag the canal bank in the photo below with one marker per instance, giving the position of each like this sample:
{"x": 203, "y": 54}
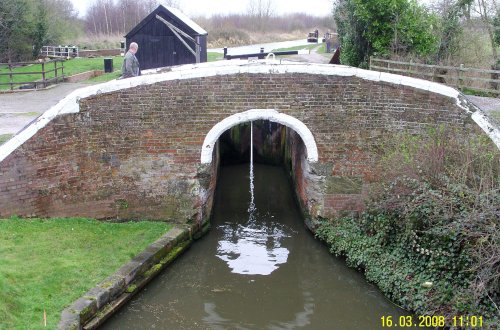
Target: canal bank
{"x": 102, "y": 301}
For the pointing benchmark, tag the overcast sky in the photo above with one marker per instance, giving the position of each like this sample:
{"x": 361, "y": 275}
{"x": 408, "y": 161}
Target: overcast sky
{"x": 210, "y": 7}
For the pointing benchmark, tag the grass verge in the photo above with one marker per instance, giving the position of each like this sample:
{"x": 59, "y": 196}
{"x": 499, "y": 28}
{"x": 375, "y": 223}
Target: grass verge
{"x": 104, "y": 77}
{"x": 47, "y": 264}
{"x": 214, "y": 56}
{"x": 4, "y": 138}
{"x": 308, "y": 46}
{"x": 71, "y": 67}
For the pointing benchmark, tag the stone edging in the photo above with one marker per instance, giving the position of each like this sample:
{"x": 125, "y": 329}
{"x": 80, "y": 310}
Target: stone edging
{"x": 83, "y": 76}
{"x": 95, "y": 306}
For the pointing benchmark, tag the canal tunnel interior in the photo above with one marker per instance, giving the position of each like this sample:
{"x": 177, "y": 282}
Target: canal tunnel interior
{"x": 268, "y": 143}
{"x": 274, "y": 144}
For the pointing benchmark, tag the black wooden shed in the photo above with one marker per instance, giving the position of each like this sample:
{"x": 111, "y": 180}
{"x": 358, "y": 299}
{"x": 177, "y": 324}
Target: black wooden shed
{"x": 159, "y": 38}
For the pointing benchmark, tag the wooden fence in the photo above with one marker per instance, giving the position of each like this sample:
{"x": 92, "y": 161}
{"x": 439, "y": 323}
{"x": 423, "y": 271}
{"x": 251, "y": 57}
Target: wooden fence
{"x": 42, "y": 74}
{"x": 487, "y": 81}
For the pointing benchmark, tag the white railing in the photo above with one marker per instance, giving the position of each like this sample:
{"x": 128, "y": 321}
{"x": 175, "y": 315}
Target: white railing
{"x": 59, "y": 51}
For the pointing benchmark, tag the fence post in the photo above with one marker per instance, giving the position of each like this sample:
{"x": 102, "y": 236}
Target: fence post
{"x": 55, "y": 72}
{"x": 460, "y": 77}
{"x": 43, "y": 75}
{"x": 370, "y": 65}
{"x": 62, "y": 70}
{"x": 10, "y": 77}
{"x": 494, "y": 76}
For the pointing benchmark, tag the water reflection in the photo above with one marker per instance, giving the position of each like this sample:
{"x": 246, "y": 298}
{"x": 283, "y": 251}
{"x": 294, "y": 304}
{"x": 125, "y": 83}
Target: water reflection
{"x": 252, "y": 249}
{"x": 212, "y": 317}
{"x": 264, "y": 273}
{"x": 302, "y": 318}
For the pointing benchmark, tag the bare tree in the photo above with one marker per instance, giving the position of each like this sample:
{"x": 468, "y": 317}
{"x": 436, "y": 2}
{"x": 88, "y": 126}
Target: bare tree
{"x": 488, "y": 10}
{"x": 119, "y": 16}
{"x": 170, "y": 3}
{"x": 106, "y": 17}
{"x": 262, "y": 11}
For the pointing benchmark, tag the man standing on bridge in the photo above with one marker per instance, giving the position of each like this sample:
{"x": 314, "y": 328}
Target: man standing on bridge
{"x": 130, "y": 66}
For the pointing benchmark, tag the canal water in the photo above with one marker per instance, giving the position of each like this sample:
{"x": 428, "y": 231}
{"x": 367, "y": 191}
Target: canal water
{"x": 265, "y": 271}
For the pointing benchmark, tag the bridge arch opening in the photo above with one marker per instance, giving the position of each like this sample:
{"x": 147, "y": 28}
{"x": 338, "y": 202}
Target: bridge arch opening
{"x": 278, "y": 139}
{"x": 253, "y": 115}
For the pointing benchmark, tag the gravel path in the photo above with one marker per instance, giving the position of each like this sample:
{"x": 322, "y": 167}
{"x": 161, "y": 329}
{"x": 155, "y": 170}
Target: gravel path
{"x": 490, "y": 105}
{"x": 19, "y": 109}
{"x": 485, "y": 103}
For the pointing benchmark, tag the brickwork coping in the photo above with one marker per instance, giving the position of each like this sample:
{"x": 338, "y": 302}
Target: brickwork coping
{"x": 70, "y": 104}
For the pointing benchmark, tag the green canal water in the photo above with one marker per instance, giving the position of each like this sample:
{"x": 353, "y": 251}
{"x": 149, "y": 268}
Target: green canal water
{"x": 265, "y": 271}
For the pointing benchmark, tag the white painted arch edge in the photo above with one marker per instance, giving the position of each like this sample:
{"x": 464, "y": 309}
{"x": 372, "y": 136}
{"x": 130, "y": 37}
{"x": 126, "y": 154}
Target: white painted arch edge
{"x": 259, "y": 114}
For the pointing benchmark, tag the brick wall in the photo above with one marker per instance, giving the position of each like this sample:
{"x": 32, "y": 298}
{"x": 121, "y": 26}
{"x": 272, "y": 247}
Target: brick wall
{"x": 135, "y": 153}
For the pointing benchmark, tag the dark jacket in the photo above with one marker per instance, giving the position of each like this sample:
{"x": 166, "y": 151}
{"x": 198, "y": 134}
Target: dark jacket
{"x": 130, "y": 66}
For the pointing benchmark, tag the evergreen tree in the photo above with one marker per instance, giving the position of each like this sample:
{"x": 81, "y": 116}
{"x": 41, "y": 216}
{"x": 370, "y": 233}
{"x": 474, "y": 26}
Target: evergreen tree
{"x": 356, "y": 49}
{"x": 15, "y": 41}
{"x": 496, "y": 24}
{"x": 40, "y": 28}
{"x": 383, "y": 27}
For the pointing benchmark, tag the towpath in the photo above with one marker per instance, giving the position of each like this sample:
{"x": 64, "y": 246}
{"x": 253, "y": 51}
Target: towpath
{"x": 18, "y": 109}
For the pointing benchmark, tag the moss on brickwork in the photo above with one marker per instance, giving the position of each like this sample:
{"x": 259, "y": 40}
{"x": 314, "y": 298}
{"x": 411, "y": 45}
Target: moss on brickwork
{"x": 153, "y": 270}
{"x": 121, "y": 204}
{"x": 344, "y": 185}
{"x": 174, "y": 253}
{"x": 131, "y": 288}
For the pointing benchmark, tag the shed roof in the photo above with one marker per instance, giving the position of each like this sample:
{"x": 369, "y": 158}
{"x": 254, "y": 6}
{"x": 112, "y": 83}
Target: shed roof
{"x": 174, "y": 13}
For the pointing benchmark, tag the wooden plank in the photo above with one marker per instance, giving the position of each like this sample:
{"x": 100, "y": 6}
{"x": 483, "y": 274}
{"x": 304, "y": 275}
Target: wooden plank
{"x": 21, "y": 83}
{"x": 465, "y": 78}
{"x": 34, "y": 62}
{"x": 430, "y": 74}
{"x": 437, "y": 66}
{"x": 482, "y": 79}
{"x": 21, "y": 73}
{"x": 452, "y": 81}
{"x": 51, "y": 70}
{"x": 32, "y": 82}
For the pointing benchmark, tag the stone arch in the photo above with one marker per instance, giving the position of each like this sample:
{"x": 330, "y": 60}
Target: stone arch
{"x": 259, "y": 114}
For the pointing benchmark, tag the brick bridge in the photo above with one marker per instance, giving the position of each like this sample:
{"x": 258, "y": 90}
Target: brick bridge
{"x": 143, "y": 148}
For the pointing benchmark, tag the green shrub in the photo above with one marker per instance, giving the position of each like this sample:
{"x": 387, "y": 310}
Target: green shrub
{"x": 433, "y": 219}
